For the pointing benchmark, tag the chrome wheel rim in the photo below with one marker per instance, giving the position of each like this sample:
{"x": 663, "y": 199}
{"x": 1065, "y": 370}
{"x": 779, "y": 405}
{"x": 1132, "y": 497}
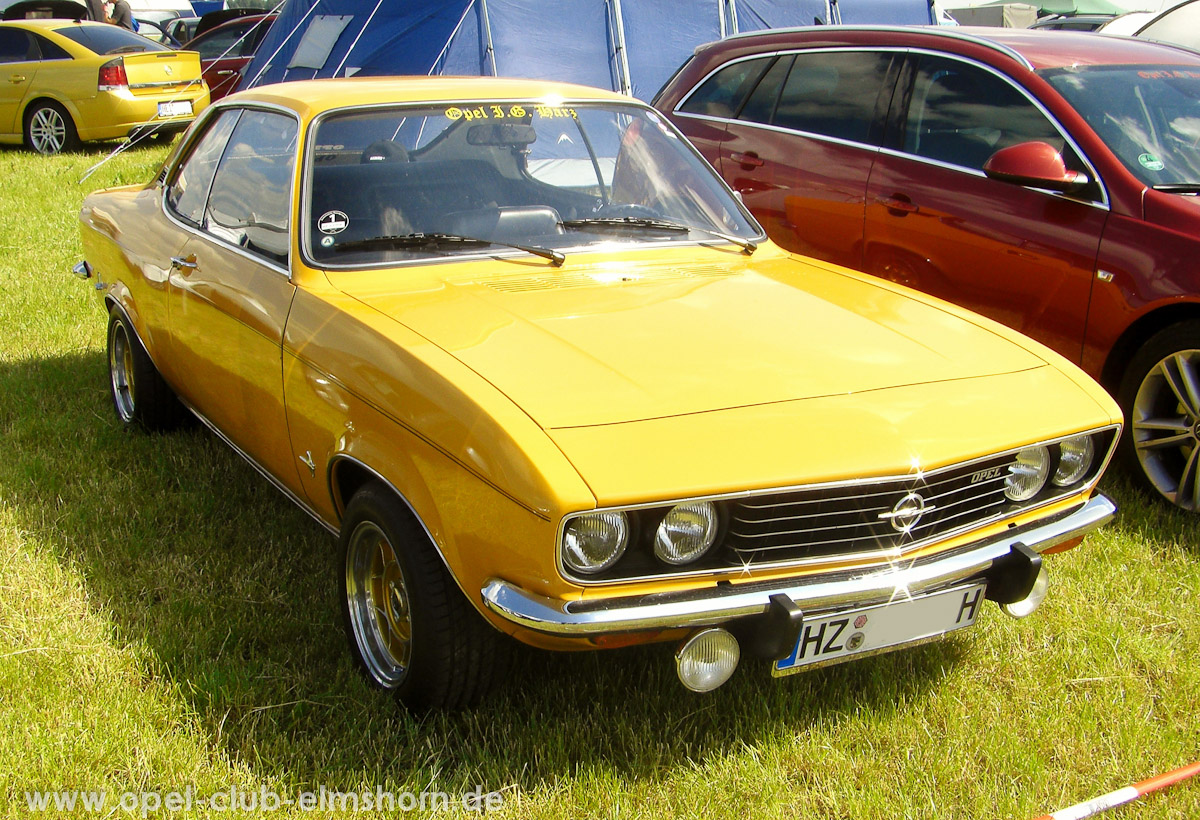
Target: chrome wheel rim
{"x": 48, "y": 131}
{"x": 377, "y": 598}
{"x": 1166, "y": 427}
{"x": 120, "y": 368}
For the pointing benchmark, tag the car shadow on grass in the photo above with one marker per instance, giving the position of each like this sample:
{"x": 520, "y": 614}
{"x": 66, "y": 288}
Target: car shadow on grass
{"x": 233, "y": 591}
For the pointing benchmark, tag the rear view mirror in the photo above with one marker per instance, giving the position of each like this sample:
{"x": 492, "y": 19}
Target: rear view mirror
{"x": 501, "y": 133}
{"x": 1035, "y": 164}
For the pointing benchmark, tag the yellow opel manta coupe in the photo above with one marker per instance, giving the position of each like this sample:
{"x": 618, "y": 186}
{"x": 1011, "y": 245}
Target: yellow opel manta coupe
{"x": 523, "y": 352}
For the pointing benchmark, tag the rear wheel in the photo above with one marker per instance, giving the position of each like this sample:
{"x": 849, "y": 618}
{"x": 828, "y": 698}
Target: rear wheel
{"x": 411, "y": 630}
{"x": 1160, "y": 394}
{"x": 139, "y": 394}
{"x": 49, "y": 129}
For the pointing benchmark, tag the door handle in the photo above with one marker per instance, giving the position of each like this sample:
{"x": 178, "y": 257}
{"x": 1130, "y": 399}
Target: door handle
{"x": 16, "y": 78}
{"x": 225, "y": 72}
{"x": 747, "y": 160}
{"x": 898, "y": 204}
{"x": 184, "y": 265}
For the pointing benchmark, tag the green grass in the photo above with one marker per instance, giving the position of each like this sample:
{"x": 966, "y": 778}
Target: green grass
{"x": 168, "y": 619}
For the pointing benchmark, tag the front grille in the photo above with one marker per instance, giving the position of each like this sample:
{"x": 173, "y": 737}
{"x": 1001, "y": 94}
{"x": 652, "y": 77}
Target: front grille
{"x": 844, "y": 520}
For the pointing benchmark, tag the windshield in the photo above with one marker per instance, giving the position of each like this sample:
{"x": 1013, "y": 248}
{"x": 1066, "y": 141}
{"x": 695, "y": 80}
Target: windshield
{"x": 1148, "y": 115}
{"x": 398, "y": 184}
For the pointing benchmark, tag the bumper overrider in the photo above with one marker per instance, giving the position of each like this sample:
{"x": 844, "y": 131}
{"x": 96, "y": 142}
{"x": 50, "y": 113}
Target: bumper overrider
{"x": 769, "y": 615}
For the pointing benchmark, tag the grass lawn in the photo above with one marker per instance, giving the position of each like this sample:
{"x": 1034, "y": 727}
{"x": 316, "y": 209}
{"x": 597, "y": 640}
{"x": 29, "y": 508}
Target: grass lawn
{"x": 168, "y": 620}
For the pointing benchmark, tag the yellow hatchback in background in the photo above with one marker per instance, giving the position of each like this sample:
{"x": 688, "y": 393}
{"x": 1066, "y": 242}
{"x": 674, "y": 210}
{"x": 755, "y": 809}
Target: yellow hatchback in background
{"x": 536, "y": 366}
{"x": 67, "y": 82}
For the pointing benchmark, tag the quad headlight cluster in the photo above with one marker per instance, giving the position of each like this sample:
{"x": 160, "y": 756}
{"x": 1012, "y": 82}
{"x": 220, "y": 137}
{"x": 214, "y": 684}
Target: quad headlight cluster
{"x": 1059, "y": 466}
{"x": 682, "y": 535}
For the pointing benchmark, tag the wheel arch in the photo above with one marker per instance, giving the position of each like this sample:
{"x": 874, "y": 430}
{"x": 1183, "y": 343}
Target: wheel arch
{"x": 29, "y": 105}
{"x": 1137, "y": 334}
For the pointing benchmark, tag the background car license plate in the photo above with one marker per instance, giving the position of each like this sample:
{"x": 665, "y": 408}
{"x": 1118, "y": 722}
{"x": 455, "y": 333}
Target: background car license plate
{"x": 868, "y": 631}
{"x": 175, "y": 108}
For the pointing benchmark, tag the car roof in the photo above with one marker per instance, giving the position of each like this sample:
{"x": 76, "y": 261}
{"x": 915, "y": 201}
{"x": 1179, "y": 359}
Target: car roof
{"x": 1036, "y": 49}
{"x": 311, "y": 97}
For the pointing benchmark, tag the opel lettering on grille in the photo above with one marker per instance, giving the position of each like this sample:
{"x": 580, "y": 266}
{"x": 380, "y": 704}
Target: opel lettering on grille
{"x": 984, "y": 475}
{"x": 907, "y": 513}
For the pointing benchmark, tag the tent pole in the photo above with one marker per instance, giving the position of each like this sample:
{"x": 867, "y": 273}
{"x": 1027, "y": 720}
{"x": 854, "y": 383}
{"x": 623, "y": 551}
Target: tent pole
{"x": 487, "y": 33}
{"x": 622, "y": 55}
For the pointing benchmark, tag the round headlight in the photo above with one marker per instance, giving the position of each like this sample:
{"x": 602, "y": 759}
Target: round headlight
{"x": 1074, "y": 460}
{"x": 686, "y": 533}
{"x": 594, "y": 542}
{"x": 1028, "y": 474}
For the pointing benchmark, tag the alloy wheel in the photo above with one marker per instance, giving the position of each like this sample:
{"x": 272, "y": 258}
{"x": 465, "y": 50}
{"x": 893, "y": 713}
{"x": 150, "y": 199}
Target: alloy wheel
{"x": 1166, "y": 427}
{"x": 48, "y": 131}
{"x": 378, "y": 603}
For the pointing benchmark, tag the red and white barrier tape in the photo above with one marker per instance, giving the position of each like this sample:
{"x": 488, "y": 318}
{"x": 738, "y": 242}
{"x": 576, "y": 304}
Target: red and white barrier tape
{"x": 1111, "y": 800}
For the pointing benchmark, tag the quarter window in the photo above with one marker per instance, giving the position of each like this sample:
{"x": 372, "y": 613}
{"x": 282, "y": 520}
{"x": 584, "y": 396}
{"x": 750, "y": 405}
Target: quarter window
{"x": 961, "y": 114}
{"x": 761, "y": 105}
{"x": 721, "y": 94}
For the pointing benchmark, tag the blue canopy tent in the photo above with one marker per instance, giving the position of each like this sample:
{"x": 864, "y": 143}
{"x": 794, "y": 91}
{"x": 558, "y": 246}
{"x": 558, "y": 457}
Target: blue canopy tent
{"x": 627, "y": 45}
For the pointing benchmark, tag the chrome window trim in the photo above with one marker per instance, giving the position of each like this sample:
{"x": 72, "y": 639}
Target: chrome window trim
{"x": 498, "y": 252}
{"x": 184, "y": 152}
{"x": 1104, "y": 202}
{"x": 875, "y": 557}
{"x": 934, "y": 31}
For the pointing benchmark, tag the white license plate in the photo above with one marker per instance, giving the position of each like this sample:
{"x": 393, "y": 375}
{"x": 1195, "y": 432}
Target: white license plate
{"x": 175, "y": 108}
{"x": 846, "y": 635}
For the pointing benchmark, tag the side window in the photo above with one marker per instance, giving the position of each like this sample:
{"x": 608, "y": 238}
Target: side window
{"x": 761, "y": 105}
{"x": 721, "y": 94}
{"x": 833, "y": 93}
{"x": 250, "y": 203}
{"x": 188, "y": 193}
{"x": 14, "y": 45}
{"x": 961, "y": 114}
{"x": 225, "y": 43}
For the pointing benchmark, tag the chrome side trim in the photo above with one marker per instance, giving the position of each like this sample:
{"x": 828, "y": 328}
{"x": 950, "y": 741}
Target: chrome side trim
{"x": 82, "y": 269}
{"x": 826, "y": 591}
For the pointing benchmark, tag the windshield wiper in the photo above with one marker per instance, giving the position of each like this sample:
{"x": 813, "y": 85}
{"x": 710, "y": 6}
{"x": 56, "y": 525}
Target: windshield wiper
{"x": 657, "y": 225}
{"x": 1179, "y": 187}
{"x": 428, "y": 240}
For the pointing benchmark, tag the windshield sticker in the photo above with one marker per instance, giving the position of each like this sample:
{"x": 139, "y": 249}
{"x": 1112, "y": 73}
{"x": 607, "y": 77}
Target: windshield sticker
{"x": 1151, "y": 162}
{"x": 1169, "y": 75}
{"x": 513, "y": 112}
{"x": 326, "y": 241}
{"x": 333, "y": 222}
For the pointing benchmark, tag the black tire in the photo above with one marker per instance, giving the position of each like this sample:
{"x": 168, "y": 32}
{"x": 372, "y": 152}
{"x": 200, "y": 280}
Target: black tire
{"x": 49, "y": 129}
{"x": 411, "y": 631}
{"x": 1160, "y": 396}
{"x": 140, "y": 396}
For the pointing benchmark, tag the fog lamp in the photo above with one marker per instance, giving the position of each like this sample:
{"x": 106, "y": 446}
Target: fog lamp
{"x": 1028, "y": 474}
{"x": 686, "y": 533}
{"x": 1074, "y": 460}
{"x": 1026, "y": 606}
{"x": 707, "y": 659}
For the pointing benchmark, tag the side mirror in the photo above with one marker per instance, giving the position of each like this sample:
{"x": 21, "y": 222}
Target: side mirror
{"x": 1036, "y": 165}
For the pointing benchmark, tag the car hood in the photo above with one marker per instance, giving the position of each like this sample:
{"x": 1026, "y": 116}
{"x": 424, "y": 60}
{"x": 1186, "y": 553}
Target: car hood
{"x": 607, "y": 342}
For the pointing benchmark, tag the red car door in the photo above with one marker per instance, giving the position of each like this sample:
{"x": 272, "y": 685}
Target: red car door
{"x": 936, "y": 222}
{"x": 802, "y": 147}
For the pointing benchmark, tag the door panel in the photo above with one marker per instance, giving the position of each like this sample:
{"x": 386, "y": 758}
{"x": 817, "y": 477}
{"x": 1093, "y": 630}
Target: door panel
{"x": 1023, "y": 257}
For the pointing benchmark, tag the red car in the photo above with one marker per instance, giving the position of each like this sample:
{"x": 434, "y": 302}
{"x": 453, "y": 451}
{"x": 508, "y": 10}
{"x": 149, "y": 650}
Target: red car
{"x": 1046, "y": 179}
{"x": 227, "y": 49}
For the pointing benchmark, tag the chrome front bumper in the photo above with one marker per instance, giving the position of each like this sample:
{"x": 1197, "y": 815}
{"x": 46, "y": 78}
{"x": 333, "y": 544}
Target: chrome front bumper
{"x": 820, "y": 592}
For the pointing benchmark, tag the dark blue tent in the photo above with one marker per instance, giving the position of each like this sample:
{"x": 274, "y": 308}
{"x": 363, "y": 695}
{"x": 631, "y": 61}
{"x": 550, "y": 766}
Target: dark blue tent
{"x": 626, "y": 45}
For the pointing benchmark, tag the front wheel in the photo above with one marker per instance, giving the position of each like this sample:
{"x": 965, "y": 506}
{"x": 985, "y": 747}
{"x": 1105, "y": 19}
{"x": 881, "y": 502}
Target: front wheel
{"x": 49, "y": 129}
{"x": 411, "y": 630}
{"x": 1160, "y": 394}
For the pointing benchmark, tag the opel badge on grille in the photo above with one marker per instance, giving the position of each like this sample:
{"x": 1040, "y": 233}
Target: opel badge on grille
{"x": 907, "y": 512}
